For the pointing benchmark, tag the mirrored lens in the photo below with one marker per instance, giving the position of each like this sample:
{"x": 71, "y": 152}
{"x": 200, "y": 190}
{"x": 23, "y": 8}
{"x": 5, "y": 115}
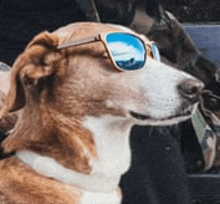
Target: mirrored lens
{"x": 128, "y": 51}
{"x": 155, "y": 51}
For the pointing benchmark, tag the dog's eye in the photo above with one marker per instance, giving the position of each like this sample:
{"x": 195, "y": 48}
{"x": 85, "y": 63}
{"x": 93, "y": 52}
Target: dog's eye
{"x": 42, "y": 62}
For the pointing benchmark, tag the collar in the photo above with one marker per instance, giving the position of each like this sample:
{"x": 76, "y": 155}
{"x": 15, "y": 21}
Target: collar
{"x": 49, "y": 167}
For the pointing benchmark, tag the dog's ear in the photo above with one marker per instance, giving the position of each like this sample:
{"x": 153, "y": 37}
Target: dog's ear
{"x": 39, "y": 60}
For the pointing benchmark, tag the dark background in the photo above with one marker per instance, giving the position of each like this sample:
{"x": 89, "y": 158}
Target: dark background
{"x": 194, "y": 10}
{"x": 21, "y": 20}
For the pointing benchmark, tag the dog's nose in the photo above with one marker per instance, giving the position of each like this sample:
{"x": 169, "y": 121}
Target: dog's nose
{"x": 190, "y": 89}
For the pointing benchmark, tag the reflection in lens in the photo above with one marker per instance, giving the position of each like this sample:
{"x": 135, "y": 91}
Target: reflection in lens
{"x": 155, "y": 51}
{"x": 128, "y": 51}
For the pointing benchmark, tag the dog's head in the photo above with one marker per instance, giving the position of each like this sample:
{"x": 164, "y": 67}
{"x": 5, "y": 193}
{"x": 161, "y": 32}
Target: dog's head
{"x": 56, "y": 87}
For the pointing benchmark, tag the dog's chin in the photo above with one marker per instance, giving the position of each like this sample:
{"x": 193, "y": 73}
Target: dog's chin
{"x": 179, "y": 116}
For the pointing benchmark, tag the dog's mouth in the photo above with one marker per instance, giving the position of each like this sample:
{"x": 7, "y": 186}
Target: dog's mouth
{"x": 182, "y": 113}
{"x": 139, "y": 116}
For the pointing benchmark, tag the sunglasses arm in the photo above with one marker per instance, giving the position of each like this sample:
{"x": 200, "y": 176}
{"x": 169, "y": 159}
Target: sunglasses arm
{"x": 79, "y": 42}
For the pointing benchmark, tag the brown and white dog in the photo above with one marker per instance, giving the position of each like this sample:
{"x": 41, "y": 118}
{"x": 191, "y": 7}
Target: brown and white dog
{"x": 75, "y": 111}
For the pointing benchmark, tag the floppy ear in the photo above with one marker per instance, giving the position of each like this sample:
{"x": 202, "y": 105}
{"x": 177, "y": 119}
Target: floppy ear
{"x": 39, "y": 60}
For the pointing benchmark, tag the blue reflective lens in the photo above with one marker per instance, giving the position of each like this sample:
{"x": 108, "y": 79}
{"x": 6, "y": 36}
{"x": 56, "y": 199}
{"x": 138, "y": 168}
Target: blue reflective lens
{"x": 128, "y": 51}
{"x": 155, "y": 51}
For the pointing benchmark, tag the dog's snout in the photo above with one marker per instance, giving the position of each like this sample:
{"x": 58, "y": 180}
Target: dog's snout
{"x": 190, "y": 89}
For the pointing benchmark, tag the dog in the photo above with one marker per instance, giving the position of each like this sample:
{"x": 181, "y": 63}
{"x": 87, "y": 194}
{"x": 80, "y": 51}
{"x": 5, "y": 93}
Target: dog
{"x": 75, "y": 110}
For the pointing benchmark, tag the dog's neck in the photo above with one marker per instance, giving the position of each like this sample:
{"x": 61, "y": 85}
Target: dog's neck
{"x": 112, "y": 143}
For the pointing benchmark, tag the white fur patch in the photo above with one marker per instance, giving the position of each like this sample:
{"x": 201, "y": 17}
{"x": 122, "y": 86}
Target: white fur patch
{"x": 4, "y": 82}
{"x": 153, "y": 92}
{"x": 111, "y": 136}
{"x": 100, "y": 198}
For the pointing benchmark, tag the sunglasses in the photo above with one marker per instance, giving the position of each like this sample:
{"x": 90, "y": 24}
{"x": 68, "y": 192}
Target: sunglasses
{"x": 127, "y": 51}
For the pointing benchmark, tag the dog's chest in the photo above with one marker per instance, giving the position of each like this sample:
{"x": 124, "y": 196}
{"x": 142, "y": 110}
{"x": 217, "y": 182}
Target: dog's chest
{"x": 112, "y": 143}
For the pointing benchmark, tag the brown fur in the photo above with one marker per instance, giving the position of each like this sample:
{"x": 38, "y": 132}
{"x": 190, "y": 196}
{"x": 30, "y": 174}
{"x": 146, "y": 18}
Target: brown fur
{"x": 32, "y": 81}
{"x": 7, "y": 123}
{"x": 16, "y": 177}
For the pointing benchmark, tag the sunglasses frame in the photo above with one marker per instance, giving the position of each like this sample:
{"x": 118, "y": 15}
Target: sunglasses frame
{"x": 155, "y": 56}
{"x": 102, "y": 37}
